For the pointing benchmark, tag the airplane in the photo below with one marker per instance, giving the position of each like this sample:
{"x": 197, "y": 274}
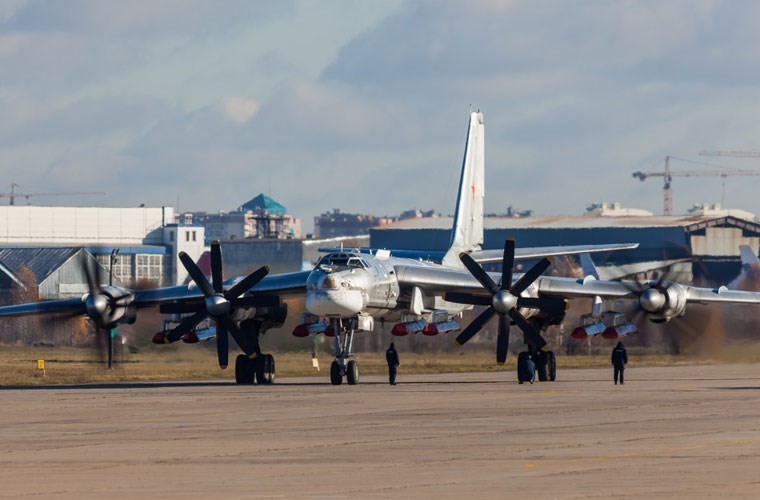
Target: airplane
{"x": 349, "y": 291}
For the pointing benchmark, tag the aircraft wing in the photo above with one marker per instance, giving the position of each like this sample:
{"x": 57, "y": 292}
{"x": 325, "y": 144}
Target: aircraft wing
{"x": 282, "y": 285}
{"x": 435, "y": 280}
{"x": 279, "y": 284}
{"x": 486, "y": 256}
{"x": 70, "y": 306}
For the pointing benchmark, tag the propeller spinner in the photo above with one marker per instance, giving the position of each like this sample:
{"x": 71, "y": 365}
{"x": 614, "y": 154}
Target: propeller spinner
{"x": 505, "y": 300}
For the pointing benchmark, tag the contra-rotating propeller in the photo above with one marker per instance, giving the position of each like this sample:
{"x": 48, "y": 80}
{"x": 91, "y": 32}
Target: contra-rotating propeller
{"x": 505, "y": 300}
{"x": 218, "y": 303}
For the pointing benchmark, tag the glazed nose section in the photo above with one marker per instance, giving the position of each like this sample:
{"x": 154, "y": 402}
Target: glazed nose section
{"x": 331, "y": 281}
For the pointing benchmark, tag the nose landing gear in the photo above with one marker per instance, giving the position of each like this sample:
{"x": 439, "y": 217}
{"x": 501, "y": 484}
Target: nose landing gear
{"x": 342, "y": 365}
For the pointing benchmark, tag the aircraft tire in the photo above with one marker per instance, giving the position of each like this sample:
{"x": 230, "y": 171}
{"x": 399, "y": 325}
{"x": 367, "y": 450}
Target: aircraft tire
{"x": 352, "y": 373}
{"x": 243, "y": 370}
{"x": 551, "y": 363}
{"x": 541, "y": 362}
{"x": 336, "y": 378}
{"x": 259, "y": 367}
{"x": 521, "y": 375}
{"x": 271, "y": 368}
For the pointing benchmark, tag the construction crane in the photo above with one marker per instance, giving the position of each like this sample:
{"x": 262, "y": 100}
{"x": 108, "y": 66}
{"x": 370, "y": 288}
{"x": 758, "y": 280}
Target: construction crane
{"x": 667, "y": 174}
{"x": 13, "y": 194}
{"x": 732, "y": 153}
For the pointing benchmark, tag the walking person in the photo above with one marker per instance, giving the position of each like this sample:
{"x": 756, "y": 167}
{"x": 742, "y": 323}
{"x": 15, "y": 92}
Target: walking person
{"x": 619, "y": 359}
{"x": 391, "y": 356}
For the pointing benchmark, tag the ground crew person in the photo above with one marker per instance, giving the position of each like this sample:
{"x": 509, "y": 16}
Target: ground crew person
{"x": 391, "y": 356}
{"x": 619, "y": 359}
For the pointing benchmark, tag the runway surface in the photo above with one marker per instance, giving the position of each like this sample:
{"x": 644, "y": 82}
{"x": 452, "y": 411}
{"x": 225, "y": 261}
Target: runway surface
{"x": 677, "y": 432}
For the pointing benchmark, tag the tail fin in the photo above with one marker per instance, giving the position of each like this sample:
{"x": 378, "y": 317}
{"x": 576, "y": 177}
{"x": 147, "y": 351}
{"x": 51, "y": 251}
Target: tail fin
{"x": 467, "y": 233}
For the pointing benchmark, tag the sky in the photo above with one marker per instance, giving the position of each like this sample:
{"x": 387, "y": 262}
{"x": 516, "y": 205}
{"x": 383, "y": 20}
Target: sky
{"x": 363, "y": 105}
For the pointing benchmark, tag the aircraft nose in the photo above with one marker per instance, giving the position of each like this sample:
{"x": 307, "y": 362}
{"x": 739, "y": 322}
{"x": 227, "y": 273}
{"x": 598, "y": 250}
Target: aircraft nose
{"x": 331, "y": 282}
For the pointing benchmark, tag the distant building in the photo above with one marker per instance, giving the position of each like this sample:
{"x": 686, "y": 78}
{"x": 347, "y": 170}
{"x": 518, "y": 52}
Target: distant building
{"x": 58, "y": 271}
{"x": 258, "y": 218}
{"x": 148, "y": 238}
{"x": 715, "y": 210}
{"x": 615, "y": 209}
{"x": 337, "y": 223}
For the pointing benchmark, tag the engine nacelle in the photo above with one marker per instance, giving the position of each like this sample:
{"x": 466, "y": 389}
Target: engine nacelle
{"x": 664, "y": 302}
{"x": 111, "y": 307}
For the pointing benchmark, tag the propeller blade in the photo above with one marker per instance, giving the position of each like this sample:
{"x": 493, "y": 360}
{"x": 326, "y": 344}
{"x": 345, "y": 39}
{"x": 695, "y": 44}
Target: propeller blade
{"x": 531, "y": 333}
{"x": 92, "y": 283}
{"x": 241, "y": 340}
{"x": 467, "y": 298}
{"x": 256, "y": 301}
{"x": 478, "y": 273}
{"x": 502, "y": 341}
{"x": 185, "y": 326}
{"x": 222, "y": 343}
{"x": 217, "y": 277}
{"x": 507, "y": 264}
{"x": 547, "y": 304}
{"x": 531, "y": 276}
{"x": 180, "y": 307}
{"x": 475, "y": 326}
{"x": 246, "y": 283}
{"x": 196, "y": 274}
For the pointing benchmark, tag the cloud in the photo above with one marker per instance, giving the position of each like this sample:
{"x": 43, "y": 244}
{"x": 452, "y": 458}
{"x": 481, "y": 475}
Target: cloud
{"x": 239, "y": 110}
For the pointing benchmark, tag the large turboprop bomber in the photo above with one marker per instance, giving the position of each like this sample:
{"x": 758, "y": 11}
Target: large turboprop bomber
{"x": 352, "y": 291}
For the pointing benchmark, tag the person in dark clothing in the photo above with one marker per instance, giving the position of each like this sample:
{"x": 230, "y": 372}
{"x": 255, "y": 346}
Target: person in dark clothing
{"x": 391, "y": 356}
{"x": 619, "y": 359}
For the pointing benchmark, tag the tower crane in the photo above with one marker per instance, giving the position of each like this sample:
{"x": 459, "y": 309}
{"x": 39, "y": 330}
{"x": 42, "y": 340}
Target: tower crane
{"x": 667, "y": 174}
{"x": 13, "y": 194}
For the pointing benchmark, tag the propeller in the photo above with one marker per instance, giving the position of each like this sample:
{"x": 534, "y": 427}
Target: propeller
{"x": 218, "y": 304}
{"x": 505, "y": 301}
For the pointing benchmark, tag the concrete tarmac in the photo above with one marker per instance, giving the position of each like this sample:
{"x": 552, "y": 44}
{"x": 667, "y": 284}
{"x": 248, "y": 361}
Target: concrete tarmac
{"x": 673, "y": 432}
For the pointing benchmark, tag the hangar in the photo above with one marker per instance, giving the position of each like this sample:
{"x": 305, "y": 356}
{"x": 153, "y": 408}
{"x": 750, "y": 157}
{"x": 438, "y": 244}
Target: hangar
{"x": 148, "y": 238}
{"x": 710, "y": 242}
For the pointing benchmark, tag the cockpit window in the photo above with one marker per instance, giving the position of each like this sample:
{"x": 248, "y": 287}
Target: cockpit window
{"x": 340, "y": 260}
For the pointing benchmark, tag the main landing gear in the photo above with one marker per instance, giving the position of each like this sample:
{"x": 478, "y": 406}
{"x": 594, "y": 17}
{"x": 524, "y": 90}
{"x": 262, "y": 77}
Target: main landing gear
{"x": 259, "y": 369}
{"x": 545, "y": 366}
{"x": 342, "y": 365}
{"x": 253, "y": 366}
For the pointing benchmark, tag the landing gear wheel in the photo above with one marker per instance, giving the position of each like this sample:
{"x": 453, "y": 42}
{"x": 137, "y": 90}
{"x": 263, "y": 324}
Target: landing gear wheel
{"x": 541, "y": 361}
{"x": 259, "y": 368}
{"x": 243, "y": 369}
{"x": 352, "y": 373}
{"x": 551, "y": 363}
{"x": 270, "y": 368}
{"x": 336, "y": 378}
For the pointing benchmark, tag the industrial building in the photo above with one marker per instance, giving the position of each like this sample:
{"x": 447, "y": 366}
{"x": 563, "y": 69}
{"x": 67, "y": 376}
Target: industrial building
{"x": 709, "y": 242}
{"x": 148, "y": 240}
